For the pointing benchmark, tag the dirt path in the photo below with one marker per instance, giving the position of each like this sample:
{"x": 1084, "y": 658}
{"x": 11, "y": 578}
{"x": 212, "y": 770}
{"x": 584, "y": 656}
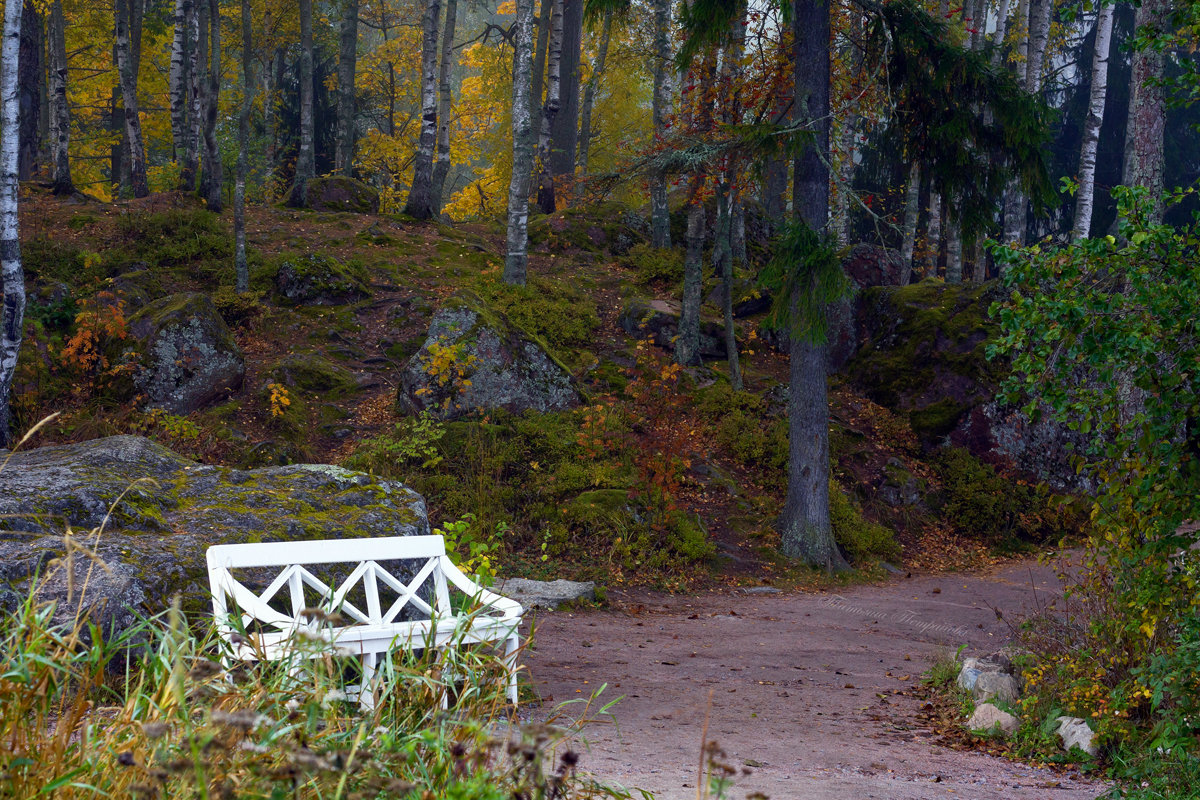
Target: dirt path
{"x": 800, "y": 687}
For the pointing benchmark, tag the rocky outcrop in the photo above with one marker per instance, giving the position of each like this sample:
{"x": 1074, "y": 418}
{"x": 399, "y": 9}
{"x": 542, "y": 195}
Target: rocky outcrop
{"x": 659, "y": 320}
{"x": 159, "y": 512}
{"x": 475, "y": 360}
{"x": 312, "y": 279}
{"x": 189, "y": 356}
{"x": 339, "y": 193}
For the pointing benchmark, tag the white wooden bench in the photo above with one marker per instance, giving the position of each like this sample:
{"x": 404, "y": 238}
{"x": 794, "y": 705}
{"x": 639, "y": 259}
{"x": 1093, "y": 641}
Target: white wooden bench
{"x": 269, "y": 625}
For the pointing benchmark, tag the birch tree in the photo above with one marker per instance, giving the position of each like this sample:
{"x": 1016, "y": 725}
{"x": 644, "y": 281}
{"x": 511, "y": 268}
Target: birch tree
{"x": 198, "y": 44}
{"x": 564, "y": 133}
{"x": 516, "y": 259}
{"x": 177, "y": 80}
{"x": 241, "y": 270}
{"x": 589, "y": 94}
{"x": 347, "y": 67}
{"x": 420, "y": 194}
{"x": 127, "y": 70}
{"x": 1085, "y": 194}
{"x": 545, "y": 194}
{"x": 441, "y": 167}
{"x": 912, "y": 213}
{"x": 306, "y": 164}
{"x": 60, "y": 111}
{"x": 1030, "y": 71}
{"x": 12, "y": 279}
{"x": 660, "y": 214}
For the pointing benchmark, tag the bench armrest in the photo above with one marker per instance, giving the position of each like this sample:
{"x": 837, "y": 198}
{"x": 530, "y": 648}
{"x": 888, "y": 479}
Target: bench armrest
{"x": 510, "y": 608}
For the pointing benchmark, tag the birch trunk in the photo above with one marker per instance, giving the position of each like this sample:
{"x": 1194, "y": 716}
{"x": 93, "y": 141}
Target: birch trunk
{"x": 1143, "y": 164}
{"x": 1085, "y": 195}
{"x": 516, "y": 259}
{"x": 241, "y": 270}
{"x": 934, "y": 237}
{"x": 272, "y": 78}
{"x": 178, "y": 82}
{"x": 1000, "y": 32}
{"x": 660, "y": 213}
{"x": 133, "y": 123}
{"x": 589, "y": 94}
{"x": 197, "y": 23}
{"x": 211, "y": 178}
{"x": 1036, "y": 38}
{"x": 564, "y": 133}
{"x": 954, "y": 251}
{"x": 539, "y": 57}
{"x": 912, "y": 214}
{"x": 60, "y": 111}
{"x": 545, "y": 195}
{"x": 347, "y": 69}
{"x": 420, "y": 194}
{"x": 441, "y": 169}
{"x": 12, "y": 279}
{"x": 306, "y": 165}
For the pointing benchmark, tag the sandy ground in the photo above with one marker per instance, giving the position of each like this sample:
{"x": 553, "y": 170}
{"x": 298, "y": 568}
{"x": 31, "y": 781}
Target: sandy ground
{"x": 796, "y": 688}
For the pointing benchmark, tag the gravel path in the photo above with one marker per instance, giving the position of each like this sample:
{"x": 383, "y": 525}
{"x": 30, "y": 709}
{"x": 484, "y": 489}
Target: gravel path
{"x": 790, "y": 686}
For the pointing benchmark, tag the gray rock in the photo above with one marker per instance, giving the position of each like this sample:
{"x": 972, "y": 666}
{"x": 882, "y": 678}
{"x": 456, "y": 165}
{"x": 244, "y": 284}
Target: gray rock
{"x": 1075, "y": 732}
{"x": 475, "y": 360}
{"x": 659, "y": 320}
{"x": 319, "y": 280}
{"x": 172, "y": 509}
{"x": 995, "y": 686}
{"x": 190, "y": 356}
{"x": 988, "y": 718}
{"x": 967, "y": 677}
{"x": 545, "y": 594}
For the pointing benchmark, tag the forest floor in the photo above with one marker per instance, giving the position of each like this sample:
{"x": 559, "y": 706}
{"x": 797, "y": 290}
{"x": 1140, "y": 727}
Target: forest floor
{"x": 807, "y": 695}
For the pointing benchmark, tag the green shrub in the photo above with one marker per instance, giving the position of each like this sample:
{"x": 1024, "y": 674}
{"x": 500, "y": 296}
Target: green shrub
{"x": 562, "y": 315}
{"x": 861, "y": 539}
{"x": 655, "y": 266}
{"x": 237, "y": 308}
{"x": 194, "y": 239}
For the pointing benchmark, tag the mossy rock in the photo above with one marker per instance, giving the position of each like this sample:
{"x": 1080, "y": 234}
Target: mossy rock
{"x": 189, "y": 356}
{"x": 314, "y": 374}
{"x": 607, "y": 227}
{"x": 340, "y": 193}
{"x": 923, "y": 352}
{"x": 164, "y": 510}
{"x": 475, "y": 360}
{"x": 320, "y": 280}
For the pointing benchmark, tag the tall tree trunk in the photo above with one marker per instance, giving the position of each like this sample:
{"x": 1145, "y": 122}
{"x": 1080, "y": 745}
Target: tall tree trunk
{"x": 564, "y": 132}
{"x": 1037, "y": 36}
{"x": 723, "y": 266}
{"x": 441, "y": 169}
{"x": 516, "y": 259}
{"x": 933, "y": 232}
{"x": 687, "y": 343}
{"x": 306, "y": 158}
{"x": 1143, "y": 164}
{"x": 211, "y": 178}
{"x": 545, "y": 194}
{"x": 133, "y": 124}
{"x": 804, "y": 525}
{"x": 12, "y": 279}
{"x": 273, "y": 79}
{"x": 197, "y": 15}
{"x": 847, "y": 132}
{"x": 1085, "y": 195}
{"x": 60, "y": 111}
{"x": 1000, "y": 32}
{"x": 241, "y": 270}
{"x": 31, "y": 81}
{"x": 660, "y": 213}
{"x": 737, "y": 238}
{"x": 954, "y": 251}
{"x": 347, "y": 68}
{"x": 420, "y": 195}
{"x": 539, "y": 57}
{"x": 589, "y": 94}
{"x": 912, "y": 214}
{"x": 178, "y": 81}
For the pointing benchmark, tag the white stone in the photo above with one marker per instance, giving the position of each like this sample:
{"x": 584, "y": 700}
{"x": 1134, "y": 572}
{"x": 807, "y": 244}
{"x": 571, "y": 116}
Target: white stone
{"x": 995, "y": 686}
{"x": 967, "y": 676}
{"x": 987, "y": 717}
{"x": 1075, "y": 732}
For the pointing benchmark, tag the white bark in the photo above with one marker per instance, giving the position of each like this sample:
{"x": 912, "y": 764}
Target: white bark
{"x": 522, "y": 131}
{"x": 60, "y": 111}
{"x": 912, "y": 214}
{"x": 420, "y": 194}
{"x": 1085, "y": 195}
{"x": 1034, "y": 48}
{"x": 1000, "y": 32}
{"x": 12, "y": 279}
{"x": 441, "y": 169}
{"x": 546, "y": 199}
{"x": 198, "y": 41}
{"x": 178, "y": 82}
{"x": 128, "y": 76}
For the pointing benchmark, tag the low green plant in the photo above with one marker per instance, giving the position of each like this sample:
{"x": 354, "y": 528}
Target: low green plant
{"x": 655, "y": 266}
{"x": 478, "y": 548}
{"x": 412, "y": 441}
{"x": 862, "y": 539}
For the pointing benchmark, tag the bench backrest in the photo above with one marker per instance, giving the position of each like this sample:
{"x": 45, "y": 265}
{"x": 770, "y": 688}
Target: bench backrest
{"x": 383, "y": 595}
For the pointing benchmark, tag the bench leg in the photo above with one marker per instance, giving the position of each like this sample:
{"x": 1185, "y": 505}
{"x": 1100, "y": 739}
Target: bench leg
{"x": 510, "y": 661}
{"x": 366, "y": 690}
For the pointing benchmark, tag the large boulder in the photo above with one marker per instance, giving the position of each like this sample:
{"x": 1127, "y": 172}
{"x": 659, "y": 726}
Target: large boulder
{"x": 313, "y": 279}
{"x": 339, "y": 193}
{"x": 189, "y": 355}
{"x": 475, "y": 359}
{"x": 159, "y": 512}
{"x": 659, "y": 320}
{"x": 923, "y": 353}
